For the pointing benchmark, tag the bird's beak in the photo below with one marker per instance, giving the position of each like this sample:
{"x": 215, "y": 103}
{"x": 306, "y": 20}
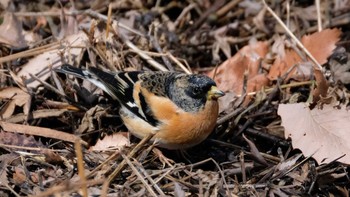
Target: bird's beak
{"x": 215, "y": 93}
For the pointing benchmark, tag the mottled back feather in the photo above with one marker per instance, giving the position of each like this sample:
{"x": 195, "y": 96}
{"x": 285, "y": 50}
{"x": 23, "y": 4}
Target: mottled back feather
{"x": 188, "y": 92}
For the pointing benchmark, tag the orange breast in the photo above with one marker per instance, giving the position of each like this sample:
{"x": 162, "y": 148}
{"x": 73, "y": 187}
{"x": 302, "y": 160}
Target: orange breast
{"x": 178, "y": 129}
{"x": 185, "y": 129}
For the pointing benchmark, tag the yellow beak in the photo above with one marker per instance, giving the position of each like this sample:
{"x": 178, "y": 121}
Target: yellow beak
{"x": 215, "y": 93}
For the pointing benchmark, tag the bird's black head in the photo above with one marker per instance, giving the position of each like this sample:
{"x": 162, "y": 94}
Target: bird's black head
{"x": 199, "y": 86}
{"x": 191, "y": 92}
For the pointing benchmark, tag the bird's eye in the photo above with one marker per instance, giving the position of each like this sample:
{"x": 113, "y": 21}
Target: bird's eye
{"x": 196, "y": 90}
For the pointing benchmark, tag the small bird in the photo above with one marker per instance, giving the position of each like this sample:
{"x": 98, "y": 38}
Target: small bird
{"x": 180, "y": 109}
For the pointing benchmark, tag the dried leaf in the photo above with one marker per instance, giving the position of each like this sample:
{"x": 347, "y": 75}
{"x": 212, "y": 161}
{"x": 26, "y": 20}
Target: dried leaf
{"x": 19, "y": 176}
{"x": 285, "y": 165}
{"x": 17, "y": 97}
{"x": 115, "y": 141}
{"x": 229, "y": 75}
{"x": 41, "y": 64}
{"x": 17, "y": 139}
{"x": 221, "y": 44}
{"x": 178, "y": 191}
{"x": 322, "y": 86}
{"x": 341, "y": 72}
{"x": 320, "y": 45}
{"x": 5, "y": 160}
{"x": 11, "y": 31}
{"x": 324, "y": 132}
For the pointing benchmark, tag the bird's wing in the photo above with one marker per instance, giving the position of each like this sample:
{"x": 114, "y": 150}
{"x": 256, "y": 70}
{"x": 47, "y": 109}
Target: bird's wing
{"x": 121, "y": 87}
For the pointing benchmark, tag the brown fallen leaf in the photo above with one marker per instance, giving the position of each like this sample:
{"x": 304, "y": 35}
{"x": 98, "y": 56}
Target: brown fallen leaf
{"x": 16, "y": 97}
{"x": 5, "y": 160}
{"x": 229, "y": 76}
{"x": 19, "y": 140}
{"x": 20, "y": 177}
{"x": 322, "y": 86}
{"x": 320, "y": 45}
{"x": 324, "y": 132}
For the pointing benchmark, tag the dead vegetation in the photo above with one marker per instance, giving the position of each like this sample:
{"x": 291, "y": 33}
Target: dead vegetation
{"x": 283, "y": 126}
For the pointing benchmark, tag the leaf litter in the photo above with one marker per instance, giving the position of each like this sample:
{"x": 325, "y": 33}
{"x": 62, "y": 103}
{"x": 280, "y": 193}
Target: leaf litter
{"x": 52, "y": 124}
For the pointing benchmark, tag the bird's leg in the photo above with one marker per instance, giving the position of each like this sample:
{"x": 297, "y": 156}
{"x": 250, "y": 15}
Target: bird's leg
{"x": 163, "y": 159}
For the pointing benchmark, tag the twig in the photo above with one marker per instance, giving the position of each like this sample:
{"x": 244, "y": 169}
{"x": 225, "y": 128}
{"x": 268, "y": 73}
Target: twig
{"x": 67, "y": 187}
{"x": 81, "y": 168}
{"x": 31, "y": 52}
{"x": 319, "y": 20}
{"x": 229, "y": 116}
{"x": 155, "y": 43}
{"x": 32, "y": 148}
{"x": 40, "y": 131}
{"x": 112, "y": 157}
{"x": 48, "y": 86}
{"x": 109, "y": 18}
{"x": 243, "y": 169}
{"x": 279, "y": 175}
{"x": 220, "y": 172}
{"x": 296, "y": 84}
{"x": 123, "y": 163}
{"x": 216, "y": 5}
{"x": 228, "y": 7}
{"x": 183, "y": 13}
{"x": 150, "y": 179}
{"x": 139, "y": 176}
{"x": 183, "y": 67}
{"x": 143, "y": 55}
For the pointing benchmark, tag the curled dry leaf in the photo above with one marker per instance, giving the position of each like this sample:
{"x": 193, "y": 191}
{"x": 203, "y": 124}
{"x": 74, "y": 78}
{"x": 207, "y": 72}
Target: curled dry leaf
{"x": 92, "y": 116}
{"x": 5, "y": 161}
{"x": 322, "y": 132}
{"x": 322, "y": 86}
{"x": 16, "y": 97}
{"x": 115, "y": 141}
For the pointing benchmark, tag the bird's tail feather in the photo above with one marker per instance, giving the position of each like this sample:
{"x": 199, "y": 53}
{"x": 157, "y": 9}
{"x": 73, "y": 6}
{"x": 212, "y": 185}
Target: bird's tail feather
{"x": 101, "y": 79}
{"x": 69, "y": 69}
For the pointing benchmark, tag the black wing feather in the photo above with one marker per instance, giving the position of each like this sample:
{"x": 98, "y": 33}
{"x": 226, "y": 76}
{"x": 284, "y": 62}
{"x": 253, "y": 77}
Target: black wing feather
{"x": 119, "y": 86}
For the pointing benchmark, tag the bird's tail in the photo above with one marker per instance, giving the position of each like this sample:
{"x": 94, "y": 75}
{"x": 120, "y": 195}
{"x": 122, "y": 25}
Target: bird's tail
{"x": 105, "y": 81}
{"x": 71, "y": 70}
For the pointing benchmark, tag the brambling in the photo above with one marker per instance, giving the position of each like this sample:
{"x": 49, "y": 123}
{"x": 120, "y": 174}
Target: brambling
{"x": 180, "y": 109}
